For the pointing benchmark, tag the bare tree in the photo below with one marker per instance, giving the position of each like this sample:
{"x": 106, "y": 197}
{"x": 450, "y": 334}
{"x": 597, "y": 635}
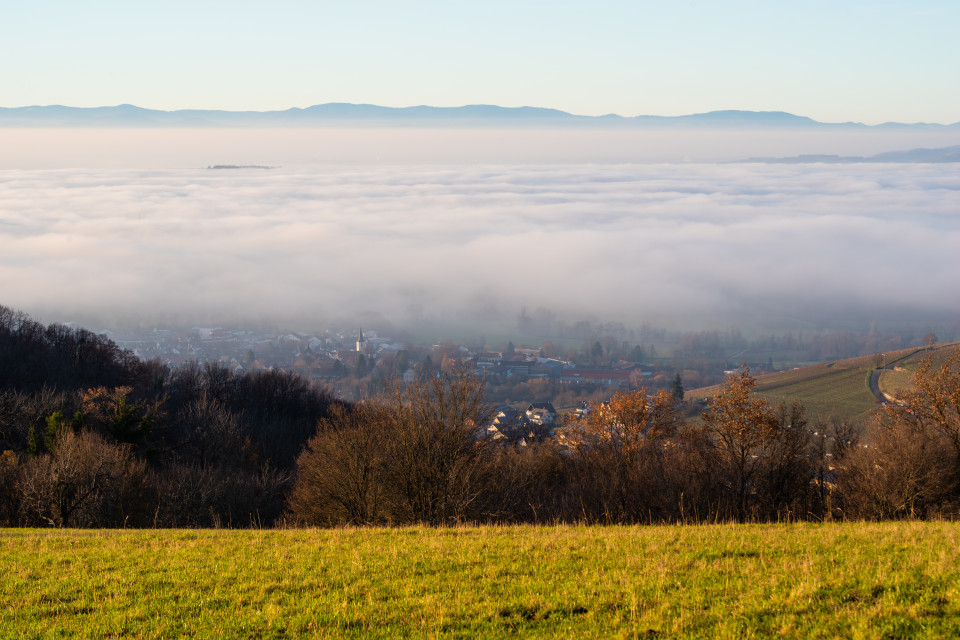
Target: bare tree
{"x": 84, "y": 481}
{"x": 341, "y": 474}
{"x": 212, "y": 432}
{"x": 436, "y": 459}
{"x": 912, "y": 468}
{"x": 906, "y": 472}
{"x": 188, "y": 495}
{"x": 789, "y": 466}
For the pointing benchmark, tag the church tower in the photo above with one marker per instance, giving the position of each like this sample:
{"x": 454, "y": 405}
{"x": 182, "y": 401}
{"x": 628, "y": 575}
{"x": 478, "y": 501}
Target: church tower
{"x": 361, "y": 342}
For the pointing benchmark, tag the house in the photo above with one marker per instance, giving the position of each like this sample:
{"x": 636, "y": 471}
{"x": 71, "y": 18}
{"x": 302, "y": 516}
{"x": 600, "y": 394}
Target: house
{"x": 605, "y": 377}
{"x": 507, "y": 419}
{"x": 541, "y": 413}
{"x": 489, "y": 358}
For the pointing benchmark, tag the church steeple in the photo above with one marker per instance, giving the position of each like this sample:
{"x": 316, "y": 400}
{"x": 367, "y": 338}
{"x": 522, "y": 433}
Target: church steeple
{"x": 361, "y": 343}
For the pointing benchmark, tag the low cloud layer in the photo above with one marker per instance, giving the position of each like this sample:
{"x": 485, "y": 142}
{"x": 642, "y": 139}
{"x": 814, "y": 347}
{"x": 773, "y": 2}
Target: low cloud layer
{"x": 702, "y": 245}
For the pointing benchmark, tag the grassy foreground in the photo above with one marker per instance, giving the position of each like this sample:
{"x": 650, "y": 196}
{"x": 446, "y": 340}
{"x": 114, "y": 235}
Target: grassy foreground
{"x": 799, "y": 580}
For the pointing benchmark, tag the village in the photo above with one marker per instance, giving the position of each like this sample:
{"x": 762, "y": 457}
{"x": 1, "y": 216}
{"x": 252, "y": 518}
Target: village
{"x": 354, "y": 363}
{"x": 587, "y": 363}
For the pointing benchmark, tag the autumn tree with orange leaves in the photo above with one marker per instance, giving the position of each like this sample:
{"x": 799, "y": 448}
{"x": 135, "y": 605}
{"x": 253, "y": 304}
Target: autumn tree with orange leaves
{"x": 761, "y": 451}
{"x": 620, "y": 457}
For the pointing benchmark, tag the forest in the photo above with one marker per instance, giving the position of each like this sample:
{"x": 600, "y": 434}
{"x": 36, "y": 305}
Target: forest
{"x": 92, "y": 436}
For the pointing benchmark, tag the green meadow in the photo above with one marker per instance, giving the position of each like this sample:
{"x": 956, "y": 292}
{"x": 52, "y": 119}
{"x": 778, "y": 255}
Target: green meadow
{"x": 853, "y": 580}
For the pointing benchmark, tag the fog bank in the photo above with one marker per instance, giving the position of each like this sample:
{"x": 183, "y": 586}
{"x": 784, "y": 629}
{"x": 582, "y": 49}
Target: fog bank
{"x": 375, "y": 147}
{"x": 701, "y": 245}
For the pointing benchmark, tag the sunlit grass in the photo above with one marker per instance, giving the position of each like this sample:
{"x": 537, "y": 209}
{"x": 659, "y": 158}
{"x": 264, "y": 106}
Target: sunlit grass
{"x": 802, "y": 580}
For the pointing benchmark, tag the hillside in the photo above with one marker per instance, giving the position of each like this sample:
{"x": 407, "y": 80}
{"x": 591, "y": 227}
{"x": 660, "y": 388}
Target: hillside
{"x": 841, "y": 388}
{"x": 944, "y": 154}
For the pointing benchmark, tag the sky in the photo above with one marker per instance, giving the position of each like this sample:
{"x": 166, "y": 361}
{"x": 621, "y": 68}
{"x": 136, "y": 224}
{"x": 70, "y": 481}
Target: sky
{"x": 854, "y": 60}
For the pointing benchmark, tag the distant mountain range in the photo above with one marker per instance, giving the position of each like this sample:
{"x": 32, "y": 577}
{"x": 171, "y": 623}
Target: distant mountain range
{"x": 943, "y": 154}
{"x": 334, "y": 114}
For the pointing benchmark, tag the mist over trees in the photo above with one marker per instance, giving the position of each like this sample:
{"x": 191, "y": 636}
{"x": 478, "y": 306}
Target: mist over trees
{"x": 90, "y": 436}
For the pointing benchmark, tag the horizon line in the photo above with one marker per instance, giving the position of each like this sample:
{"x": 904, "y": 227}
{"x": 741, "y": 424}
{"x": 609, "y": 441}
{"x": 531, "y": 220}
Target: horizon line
{"x": 555, "y": 111}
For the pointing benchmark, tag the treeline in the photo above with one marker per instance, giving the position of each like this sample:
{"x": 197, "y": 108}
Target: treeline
{"x": 93, "y": 437}
{"x": 415, "y": 456}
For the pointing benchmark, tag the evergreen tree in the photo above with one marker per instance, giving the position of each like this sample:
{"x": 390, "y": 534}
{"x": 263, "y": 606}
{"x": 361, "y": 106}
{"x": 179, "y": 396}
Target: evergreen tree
{"x": 677, "y": 388}
{"x": 360, "y": 369}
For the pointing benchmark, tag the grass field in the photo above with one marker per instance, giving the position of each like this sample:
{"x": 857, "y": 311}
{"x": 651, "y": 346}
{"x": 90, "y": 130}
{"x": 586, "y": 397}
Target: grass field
{"x": 893, "y": 580}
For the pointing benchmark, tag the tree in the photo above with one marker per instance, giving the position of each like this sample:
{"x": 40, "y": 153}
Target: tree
{"x": 9, "y": 491}
{"x": 619, "y": 450}
{"x": 549, "y": 350}
{"x": 596, "y": 352}
{"x": 426, "y": 370}
{"x": 361, "y": 368}
{"x": 930, "y": 339}
{"x": 401, "y": 363}
{"x": 437, "y": 462}
{"x": 85, "y": 481}
{"x": 789, "y": 466}
{"x": 110, "y": 410}
{"x": 934, "y": 403}
{"x": 412, "y": 455}
{"x": 904, "y": 473}
{"x": 676, "y": 389}
{"x": 341, "y": 473}
{"x": 912, "y": 468}
{"x": 741, "y": 428}
{"x": 212, "y": 432}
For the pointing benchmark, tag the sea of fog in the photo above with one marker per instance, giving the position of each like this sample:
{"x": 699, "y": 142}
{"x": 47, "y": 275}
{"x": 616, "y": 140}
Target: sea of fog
{"x": 698, "y": 245}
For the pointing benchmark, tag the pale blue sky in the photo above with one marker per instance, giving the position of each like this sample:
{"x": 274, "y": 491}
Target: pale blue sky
{"x": 830, "y": 60}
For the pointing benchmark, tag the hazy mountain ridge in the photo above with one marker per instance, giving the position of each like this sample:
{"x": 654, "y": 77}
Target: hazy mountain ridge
{"x": 334, "y": 113}
{"x": 921, "y": 155}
